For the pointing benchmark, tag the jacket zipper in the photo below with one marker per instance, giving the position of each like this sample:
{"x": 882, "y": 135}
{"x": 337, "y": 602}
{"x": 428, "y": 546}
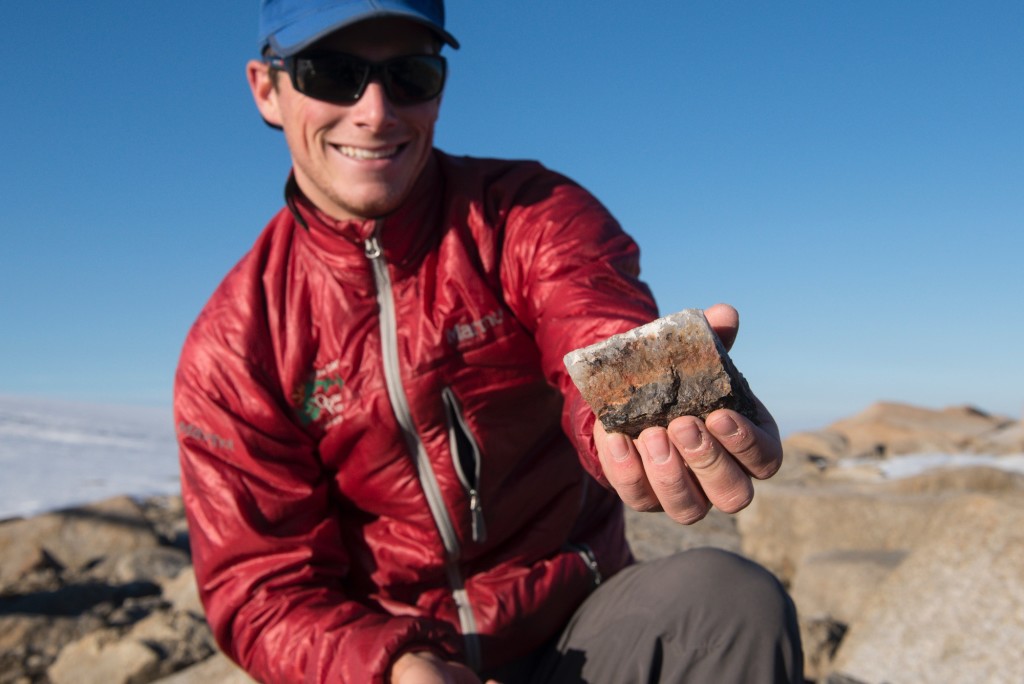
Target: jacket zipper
{"x": 424, "y": 470}
{"x": 466, "y": 457}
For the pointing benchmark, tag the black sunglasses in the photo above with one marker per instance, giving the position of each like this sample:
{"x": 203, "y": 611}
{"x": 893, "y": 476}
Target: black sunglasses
{"x": 341, "y": 79}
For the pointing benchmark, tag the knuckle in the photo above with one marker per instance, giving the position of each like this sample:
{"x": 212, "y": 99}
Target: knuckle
{"x": 742, "y": 443}
{"x": 704, "y": 459}
{"x": 629, "y": 480}
{"x": 670, "y": 481}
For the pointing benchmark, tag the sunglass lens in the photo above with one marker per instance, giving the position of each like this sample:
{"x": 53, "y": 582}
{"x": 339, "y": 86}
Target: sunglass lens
{"x": 333, "y": 78}
{"x": 415, "y": 79}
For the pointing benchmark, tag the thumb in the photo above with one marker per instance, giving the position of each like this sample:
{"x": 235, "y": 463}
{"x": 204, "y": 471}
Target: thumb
{"x": 725, "y": 321}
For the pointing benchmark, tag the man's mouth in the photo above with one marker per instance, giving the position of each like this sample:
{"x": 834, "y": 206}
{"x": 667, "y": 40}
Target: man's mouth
{"x": 362, "y": 154}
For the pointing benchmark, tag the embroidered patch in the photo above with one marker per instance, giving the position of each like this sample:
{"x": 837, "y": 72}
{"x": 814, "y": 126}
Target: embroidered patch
{"x": 318, "y": 399}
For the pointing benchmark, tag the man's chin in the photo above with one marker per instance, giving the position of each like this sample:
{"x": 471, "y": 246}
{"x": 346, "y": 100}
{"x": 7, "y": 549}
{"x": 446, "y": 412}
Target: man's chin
{"x": 368, "y": 207}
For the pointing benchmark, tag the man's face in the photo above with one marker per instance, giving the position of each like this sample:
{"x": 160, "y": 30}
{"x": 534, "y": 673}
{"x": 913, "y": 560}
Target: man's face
{"x": 355, "y": 160}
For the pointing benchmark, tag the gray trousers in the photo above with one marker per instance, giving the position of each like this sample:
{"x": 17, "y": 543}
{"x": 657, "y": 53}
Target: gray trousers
{"x": 702, "y": 616}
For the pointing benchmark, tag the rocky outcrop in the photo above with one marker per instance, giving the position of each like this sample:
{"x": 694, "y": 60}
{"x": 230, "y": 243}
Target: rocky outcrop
{"x": 106, "y": 593}
{"x": 953, "y": 610}
{"x": 102, "y": 593}
{"x": 896, "y": 580}
{"x": 890, "y": 574}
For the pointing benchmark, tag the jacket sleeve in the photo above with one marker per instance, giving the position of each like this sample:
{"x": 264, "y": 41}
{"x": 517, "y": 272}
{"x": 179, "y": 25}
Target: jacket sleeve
{"x": 571, "y": 274}
{"x": 266, "y": 541}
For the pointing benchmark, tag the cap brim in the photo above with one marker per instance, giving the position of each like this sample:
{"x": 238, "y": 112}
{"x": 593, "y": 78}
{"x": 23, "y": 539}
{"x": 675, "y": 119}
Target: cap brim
{"x": 299, "y": 35}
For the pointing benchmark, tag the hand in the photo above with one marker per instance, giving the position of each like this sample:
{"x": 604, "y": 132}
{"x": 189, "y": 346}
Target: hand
{"x": 691, "y": 465}
{"x": 427, "y": 668}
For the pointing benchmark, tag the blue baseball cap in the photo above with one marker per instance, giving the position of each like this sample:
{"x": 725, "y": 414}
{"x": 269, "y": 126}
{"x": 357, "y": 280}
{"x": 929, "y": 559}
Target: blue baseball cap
{"x": 289, "y": 26}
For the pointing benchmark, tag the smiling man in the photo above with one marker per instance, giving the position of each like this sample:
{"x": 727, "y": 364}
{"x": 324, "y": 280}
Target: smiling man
{"x": 360, "y": 158}
{"x": 388, "y": 474}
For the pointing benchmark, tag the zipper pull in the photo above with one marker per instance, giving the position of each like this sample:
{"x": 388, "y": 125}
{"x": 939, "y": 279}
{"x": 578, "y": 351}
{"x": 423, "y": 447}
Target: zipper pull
{"x": 476, "y": 512}
{"x": 372, "y": 247}
{"x": 587, "y": 554}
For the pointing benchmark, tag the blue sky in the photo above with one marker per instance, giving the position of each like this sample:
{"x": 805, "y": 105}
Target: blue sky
{"x": 848, "y": 174}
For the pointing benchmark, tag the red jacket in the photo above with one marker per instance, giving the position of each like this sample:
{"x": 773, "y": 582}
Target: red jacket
{"x": 373, "y": 421}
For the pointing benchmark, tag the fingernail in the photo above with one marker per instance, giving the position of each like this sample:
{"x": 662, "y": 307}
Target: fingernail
{"x": 618, "y": 445}
{"x": 658, "y": 448}
{"x": 725, "y": 425}
{"x": 688, "y": 437}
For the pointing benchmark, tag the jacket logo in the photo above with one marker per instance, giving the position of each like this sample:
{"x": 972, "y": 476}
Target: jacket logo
{"x": 187, "y": 430}
{"x": 461, "y": 332}
{"x": 319, "y": 397}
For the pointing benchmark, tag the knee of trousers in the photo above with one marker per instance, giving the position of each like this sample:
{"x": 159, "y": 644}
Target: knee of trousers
{"x": 716, "y": 585}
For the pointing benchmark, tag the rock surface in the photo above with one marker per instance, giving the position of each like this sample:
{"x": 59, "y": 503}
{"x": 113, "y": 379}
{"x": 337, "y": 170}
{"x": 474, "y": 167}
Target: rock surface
{"x": 896, "y": 580}
{"x": 953, "y": 611}
{"x": 863, "y": 553}
{"x": 101, "y": 593}
{"x": 671, "y": 367}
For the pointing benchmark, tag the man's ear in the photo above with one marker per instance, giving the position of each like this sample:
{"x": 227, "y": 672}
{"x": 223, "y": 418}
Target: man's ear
{"x": 264, "y": 94}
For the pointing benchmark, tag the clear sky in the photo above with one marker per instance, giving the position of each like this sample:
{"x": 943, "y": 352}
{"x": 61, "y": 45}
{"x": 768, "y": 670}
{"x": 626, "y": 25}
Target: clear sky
{"x": 848, "y": 173}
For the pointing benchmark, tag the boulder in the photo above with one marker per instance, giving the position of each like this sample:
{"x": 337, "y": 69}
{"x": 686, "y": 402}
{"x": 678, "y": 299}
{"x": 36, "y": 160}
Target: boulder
{"x": 182, "y": 593}
{"x": 145, "y": 564}
{"x": 786, "y": 524}
{"x": 181, "y": 639}
{"x": 157, "y": 645}
{"x": 103, "y": 658}
{"x": 835, "y": 585}
{"x": 73, "y": 538}
{"x": 830, "y": 590}
{"x": 953, "y": 610}
{"x": 835, "y": 540}
{"x": 28, "y": 643}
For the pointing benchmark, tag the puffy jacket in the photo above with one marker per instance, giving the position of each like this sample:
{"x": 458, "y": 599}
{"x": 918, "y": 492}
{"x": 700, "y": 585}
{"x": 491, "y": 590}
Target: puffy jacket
{"x": 380, "y": 446}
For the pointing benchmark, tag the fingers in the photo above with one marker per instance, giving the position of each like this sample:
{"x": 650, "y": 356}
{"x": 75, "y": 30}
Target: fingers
{"x": 623, "y": 467}
{"x": 725, "y": 321}
{"x": 670, "y": 479}
{"x": 691, "y": 465}
{"x": 649, "y": 475}
{"x": 756, "y": 447}
{"x": 721, "y": 478}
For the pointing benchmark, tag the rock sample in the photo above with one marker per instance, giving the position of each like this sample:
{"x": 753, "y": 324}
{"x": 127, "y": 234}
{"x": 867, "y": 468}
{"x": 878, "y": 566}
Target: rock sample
{"x": 674, "y": 366}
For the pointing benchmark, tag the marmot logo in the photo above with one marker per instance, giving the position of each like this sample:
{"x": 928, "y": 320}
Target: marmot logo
{"x": 461, "y": 332}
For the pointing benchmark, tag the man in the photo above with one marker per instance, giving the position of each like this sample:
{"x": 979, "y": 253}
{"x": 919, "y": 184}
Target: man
{"x": 381, "y": 451}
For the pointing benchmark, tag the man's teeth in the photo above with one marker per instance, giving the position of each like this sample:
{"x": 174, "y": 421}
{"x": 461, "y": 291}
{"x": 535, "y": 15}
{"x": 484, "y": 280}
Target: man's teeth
{"x": 361, "y": 153}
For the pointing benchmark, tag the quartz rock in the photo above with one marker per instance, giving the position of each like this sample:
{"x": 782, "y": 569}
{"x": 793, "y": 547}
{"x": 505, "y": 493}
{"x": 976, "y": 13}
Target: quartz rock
{"x": 674, "y": 366}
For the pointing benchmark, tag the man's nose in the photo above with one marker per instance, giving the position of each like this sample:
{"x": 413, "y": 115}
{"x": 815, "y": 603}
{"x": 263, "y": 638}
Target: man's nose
{"x": 373, "y": 109}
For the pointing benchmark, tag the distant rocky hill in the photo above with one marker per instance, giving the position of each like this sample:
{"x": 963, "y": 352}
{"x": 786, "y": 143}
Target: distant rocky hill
{"x": 915, "y": 579}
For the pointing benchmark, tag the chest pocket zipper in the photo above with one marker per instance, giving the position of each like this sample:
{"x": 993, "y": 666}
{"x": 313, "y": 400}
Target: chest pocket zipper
{"x": 466, "y": 457}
